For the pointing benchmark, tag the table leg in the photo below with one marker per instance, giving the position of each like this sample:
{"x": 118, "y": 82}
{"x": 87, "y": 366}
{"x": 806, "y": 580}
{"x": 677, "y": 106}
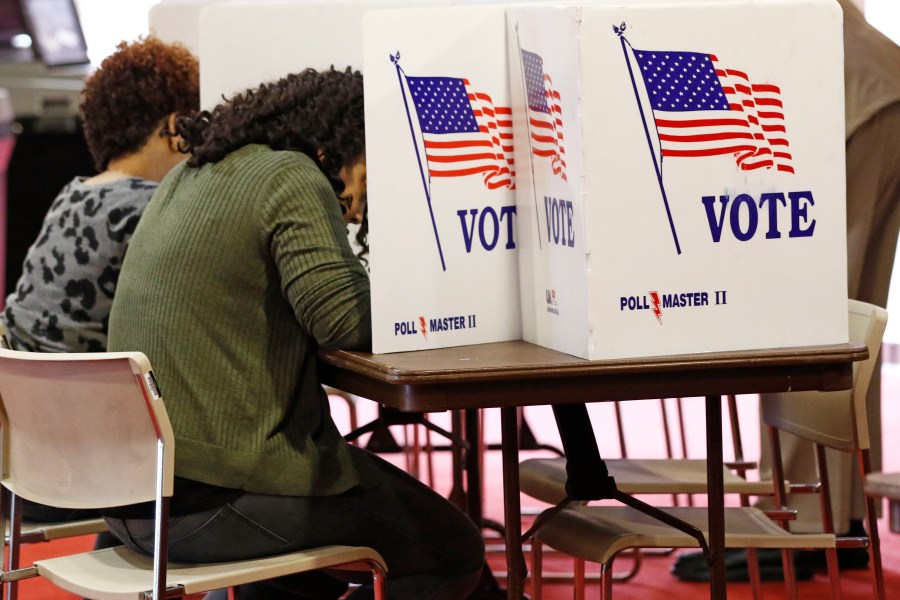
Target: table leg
{"x": 473, "y": 466}
{"x": 515, "y": 560}
{"x": 716, "y": 497}
{"x": 457, "y": 491}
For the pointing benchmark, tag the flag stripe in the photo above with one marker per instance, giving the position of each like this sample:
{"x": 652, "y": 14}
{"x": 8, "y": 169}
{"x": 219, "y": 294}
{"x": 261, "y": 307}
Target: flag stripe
{"x": 702, "y": 109}
{"x": 713, "y": 151}
{"x": 704, "y": 137}
{"x": 544, "y": 106}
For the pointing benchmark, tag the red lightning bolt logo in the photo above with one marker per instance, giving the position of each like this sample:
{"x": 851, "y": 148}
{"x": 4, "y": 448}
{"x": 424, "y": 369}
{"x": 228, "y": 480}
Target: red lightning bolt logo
{"x": 424, "y": 330}
{"x": 654, "y": 297}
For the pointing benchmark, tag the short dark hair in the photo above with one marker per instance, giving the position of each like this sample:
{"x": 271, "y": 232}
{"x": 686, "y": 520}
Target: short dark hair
{"x": 132, "y": 92}
{"x": 317, "y": 113}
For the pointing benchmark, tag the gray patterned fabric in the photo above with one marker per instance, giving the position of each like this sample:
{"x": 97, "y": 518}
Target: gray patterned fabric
{"x": 63, "y": 299}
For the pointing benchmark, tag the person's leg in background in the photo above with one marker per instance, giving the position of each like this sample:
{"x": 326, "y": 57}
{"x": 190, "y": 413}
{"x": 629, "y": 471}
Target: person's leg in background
{"x": 874, "y": 176}
{"x": 873, "y": 222}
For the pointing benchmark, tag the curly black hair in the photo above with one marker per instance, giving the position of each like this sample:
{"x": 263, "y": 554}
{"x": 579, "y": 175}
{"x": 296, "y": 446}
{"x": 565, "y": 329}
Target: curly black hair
{"x": 362, "y": 236}
{"x": 132, "y": 92}
{"x": 317, "y": 113}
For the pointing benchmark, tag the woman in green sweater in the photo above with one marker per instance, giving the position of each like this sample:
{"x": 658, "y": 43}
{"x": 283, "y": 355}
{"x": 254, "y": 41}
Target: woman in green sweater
{"x": 239, "y": 269}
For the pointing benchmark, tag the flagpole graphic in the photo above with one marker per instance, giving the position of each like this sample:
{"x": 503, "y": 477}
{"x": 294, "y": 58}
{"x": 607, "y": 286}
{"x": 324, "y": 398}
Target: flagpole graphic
{"x": 395, "y": 58}
{"x": 537, "y": 212}
{"x": 620, "y": 31}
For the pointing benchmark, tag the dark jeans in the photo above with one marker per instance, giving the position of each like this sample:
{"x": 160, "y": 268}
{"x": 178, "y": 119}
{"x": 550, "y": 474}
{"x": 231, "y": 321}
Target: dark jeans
{"x": 432, "y": 550}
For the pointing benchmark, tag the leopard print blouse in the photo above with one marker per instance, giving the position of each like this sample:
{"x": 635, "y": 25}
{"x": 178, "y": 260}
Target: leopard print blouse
{"x": 63, "y": 298}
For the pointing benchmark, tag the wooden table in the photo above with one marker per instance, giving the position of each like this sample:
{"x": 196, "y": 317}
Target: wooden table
{"x": 512, "y": 374}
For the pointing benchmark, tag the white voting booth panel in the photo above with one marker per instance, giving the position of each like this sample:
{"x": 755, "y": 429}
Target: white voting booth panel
{"x": 440, "y": 178}
{"x": 680, "y": 175}
{"x": 243, "y": 44}
{"x": 177, "y": 21}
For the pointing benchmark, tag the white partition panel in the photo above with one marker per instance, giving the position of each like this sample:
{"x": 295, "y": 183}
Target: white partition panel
{"x": 441, "y": 178}
{"x": 245, "y": 43}
{"x": 680, "y": 175}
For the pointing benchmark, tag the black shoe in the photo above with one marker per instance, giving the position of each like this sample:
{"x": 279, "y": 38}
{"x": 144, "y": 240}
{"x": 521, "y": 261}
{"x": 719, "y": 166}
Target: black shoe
{"x": 488, "y": 588}
{"x": 848, "y": 558}
{"x": 691, "y": 566}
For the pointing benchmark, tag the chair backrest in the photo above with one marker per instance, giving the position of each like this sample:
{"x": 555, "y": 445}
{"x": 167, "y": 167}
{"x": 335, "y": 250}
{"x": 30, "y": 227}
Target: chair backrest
{"x": 834, "y": 419}
{"x": 83, "y": 430}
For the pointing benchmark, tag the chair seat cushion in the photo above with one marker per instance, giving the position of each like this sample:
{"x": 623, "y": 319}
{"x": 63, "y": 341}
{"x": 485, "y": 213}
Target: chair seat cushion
{"x": 121, "y": 574}
{"x": 883, "y": 484}
{"x": 545, "y": 478}
{"x": 598, "y": 533}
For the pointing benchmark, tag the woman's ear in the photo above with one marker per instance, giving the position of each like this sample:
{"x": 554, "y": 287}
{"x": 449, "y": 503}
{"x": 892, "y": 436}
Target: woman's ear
{"x": 168, "y": 132}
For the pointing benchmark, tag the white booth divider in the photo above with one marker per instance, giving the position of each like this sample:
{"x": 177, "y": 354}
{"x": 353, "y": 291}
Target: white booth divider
{"x": 636, "y": 226}
{"x": 703, "y": 203}
{"x": 441, "y": 178}
{"x": 243, "y": 44}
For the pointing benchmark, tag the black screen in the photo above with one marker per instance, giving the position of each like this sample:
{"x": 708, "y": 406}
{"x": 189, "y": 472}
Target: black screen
{"x": 55, "y": 31}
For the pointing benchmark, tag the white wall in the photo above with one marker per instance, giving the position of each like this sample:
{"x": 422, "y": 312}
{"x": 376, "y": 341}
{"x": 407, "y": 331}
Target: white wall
{"x": 108, "y": 22}
{"x": 885, "y": 15}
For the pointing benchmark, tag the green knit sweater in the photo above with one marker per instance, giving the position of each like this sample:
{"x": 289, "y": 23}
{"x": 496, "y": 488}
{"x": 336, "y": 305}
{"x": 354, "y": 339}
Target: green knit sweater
{"x": 235, "y": 273}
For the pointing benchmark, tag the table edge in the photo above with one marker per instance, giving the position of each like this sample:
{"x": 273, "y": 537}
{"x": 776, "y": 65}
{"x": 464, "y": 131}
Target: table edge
{"x": 380, "y": 368}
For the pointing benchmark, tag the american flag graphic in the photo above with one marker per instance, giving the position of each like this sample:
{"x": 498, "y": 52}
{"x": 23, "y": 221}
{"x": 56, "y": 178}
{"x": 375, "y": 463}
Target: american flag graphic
{"x": 545, "y": 123}
{"x": 464, "y": 133}
{"x": 703, "y": 109}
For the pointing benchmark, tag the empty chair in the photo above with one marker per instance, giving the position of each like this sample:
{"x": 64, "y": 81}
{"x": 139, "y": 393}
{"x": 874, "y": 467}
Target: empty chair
{"x": 845, "y": 430}
{"x": 21, "y": 531}
{"x": 598, "y": 533}
{"x": 545, "y": 478}
{"x": 886, "y": 485}
{"x": 51, "y": 408}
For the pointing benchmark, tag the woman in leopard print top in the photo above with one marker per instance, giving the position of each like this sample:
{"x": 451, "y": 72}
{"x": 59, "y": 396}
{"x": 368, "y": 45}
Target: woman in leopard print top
{"x": 63, "y": 298}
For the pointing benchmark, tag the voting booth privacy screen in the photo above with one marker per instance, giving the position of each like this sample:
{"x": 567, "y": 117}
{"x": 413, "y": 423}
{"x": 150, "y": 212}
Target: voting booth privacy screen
{"x": 277, "y": 38}
{"x": 680, "y": 180}
{"x": 607, "y": 181}
{"x": 441, "y": 178}
{"x": 678, "y": 176}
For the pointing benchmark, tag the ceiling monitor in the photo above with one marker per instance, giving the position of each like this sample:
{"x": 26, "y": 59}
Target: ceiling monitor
{"x": 55, "y": 30}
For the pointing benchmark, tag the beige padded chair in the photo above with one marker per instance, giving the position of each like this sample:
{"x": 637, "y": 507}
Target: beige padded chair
{"x": 886, "y": 485}
{"x": 598, "y": 533}
{"x": 51, "y": 408}
{"x": 350, "y": 401}
{"x": 846, "y": 428}
{"x": 545, "y": 478}
{"x": 23, "y": 532}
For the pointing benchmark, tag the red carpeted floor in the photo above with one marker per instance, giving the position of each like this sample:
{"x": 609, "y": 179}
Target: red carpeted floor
{"x": 643, "y": 428}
